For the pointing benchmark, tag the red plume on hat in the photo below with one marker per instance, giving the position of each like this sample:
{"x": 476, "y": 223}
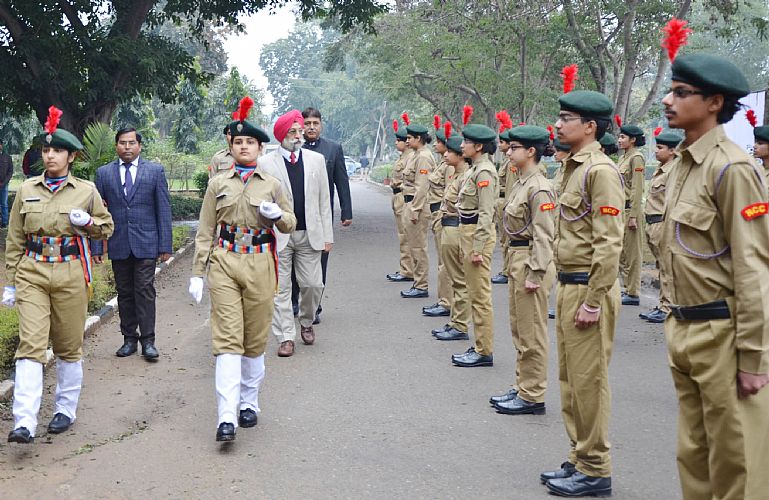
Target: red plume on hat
{"x": 505, "y": 122}
{"x": 406, "y": 119}
{"x": 447, "y": 129}
{"x": 657, "y": 131}
{"x": 244, "y": 108}
{"x": 752, "y": 119}
{"x": 676, "y": 35}
{"x": 522, "y": 124}
{"x": 618, "y": 120}
{"x": 467, "y": 112}
{"x": 234, "y": 115}
{"x": 552, "y": 132}
{"x": 569, "y": 75}
{"x": 52, "y": 123}
{"x": 436, "y": 122}
{"x": 395, "y": 125}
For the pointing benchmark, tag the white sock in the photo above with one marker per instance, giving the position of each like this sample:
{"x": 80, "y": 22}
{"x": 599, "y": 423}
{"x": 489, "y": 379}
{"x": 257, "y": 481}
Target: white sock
{"x": 27, "y": 393}
{"x": 228, "y": 387}
{"x": 69, "y": 380}
{"x": 251, "y": 376}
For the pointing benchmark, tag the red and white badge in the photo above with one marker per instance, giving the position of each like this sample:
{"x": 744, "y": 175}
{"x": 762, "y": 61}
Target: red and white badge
{"x": 609, "y": 210}
{"x": 755, "y": 210}
{"x": 483, "y": 184}
{"x": 547, "y": 206}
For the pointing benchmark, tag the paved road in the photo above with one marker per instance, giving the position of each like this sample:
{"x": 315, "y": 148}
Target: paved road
{"x": 373, "y": 410}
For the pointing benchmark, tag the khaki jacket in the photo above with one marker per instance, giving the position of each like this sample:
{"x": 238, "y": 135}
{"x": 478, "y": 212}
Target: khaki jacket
{"x": 632, "y": 167}
{"x": 400, "y": 164}
{"x": 221, "y": 162}
{"x": 449, "y": 205}
{"x": 477, "y": 196}
{"x": 502, "y": 172}
{"x": 439, "y": 179}
{"x": 655, "y": 198}
{"x": 415, "y": 179}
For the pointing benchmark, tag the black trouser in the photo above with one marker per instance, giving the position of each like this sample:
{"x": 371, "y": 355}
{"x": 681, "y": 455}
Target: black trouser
{"x": 135, "y": 283}
{"x": 295, "y": 285}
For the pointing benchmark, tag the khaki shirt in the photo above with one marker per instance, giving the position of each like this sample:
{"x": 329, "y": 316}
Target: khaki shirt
{"x": 504, "y": 165}
{"x": 632, "y": 167}
{"x": 38, "y": 211}
{"x": 221, "y": 162}
{"x": 477, "y": 196}
{"x": 716, "y": 239}
{"x": 530, "y": 215}
{"x": 655, "y": 199}
{"x": 449, "y": 205}
{"x": 439, "y": 179}
{"x": 400, "y": 164}
{"x": 590, "y": 224}
{"x": 415, "y": 178}
{"x": 557, "y": 180}
{"x": 230, "y": 201}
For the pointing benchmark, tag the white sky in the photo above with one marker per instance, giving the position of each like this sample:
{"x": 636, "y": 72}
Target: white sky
{"x": 243, "y": 50}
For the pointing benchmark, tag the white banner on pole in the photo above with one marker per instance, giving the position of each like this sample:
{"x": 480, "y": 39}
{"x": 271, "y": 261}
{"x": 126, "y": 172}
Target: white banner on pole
{"x": 739, "y": 130}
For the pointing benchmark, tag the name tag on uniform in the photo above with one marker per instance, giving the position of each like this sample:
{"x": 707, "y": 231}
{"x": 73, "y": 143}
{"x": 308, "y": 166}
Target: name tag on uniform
{"x": 755, "y": 210}
{"x": 608, "y": 210}
{"x": 483, "y": 184}
{"x": 32, "y": 199}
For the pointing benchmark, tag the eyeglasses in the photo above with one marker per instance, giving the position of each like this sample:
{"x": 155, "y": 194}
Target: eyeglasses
{"x": 682, "y": 93}
{"x": 568, "y": 118}
{"x": 517, "y": 147}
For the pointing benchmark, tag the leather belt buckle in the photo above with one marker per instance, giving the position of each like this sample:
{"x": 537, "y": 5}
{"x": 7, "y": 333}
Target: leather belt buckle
{"x": 244, "y": 239}
{"x": 676, "y": 313}
{"x": 51, "y": 250}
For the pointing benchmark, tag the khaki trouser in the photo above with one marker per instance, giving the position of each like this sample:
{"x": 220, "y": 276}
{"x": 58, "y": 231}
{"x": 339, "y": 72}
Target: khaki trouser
{"x": 723, "y": 441}
{"x": 444, "y": 284}
{"x": 242, "y": 288}
{"x": 416, "y": 234}
{"x": 653, "y": 236}
{"x": 406, "y": 267}
{"x": 583, "y": 363}
{"x": 630, "y": 258}
{"x": 528, "y": 324}
{"x": 53, "y": 303}
{"x": 451, "y": 255}
{"x": 504, "y": 239}
{"x": 478, "y": 280}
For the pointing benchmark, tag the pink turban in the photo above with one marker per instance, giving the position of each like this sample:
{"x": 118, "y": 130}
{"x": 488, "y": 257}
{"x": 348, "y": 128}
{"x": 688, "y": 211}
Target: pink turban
{"x": 283, "y": 125}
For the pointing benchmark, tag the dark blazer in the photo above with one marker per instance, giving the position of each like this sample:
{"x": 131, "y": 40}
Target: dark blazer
{"x": 337, "y": 173}
{"x": 143, "y": 217}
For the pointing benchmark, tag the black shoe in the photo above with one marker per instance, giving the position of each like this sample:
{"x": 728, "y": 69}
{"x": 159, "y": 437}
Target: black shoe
{"x": 225, "y": 432}
{"x": 580, "y": 485}
{"x": 520, "y": 406}
{"x": 468, "y": 351}
{"x": 658, "y": 316}
{"x": 398, "y": 277}
{"x": 646, "y": 314}
{"x": 566, "y": 470}
{"x": 630, "y": 300}
{"x": 437, "y": 312}
{"x": 316, "y": 321}
{"x": 20, "y": 435}
{"x": 414, "y": 293}
{"x": 508, "y": 396}
{"x": 431, "y": 306}
{"x": 295, "y": 308}
{"x": 247, "y": 418}
{"x": 472, "y": 359}
{"x": 442, "y": 329}
{"x": 128, "y": 348}
{"x": 452, "y": 334}
{"x": 551, "y": 313}
{"x": 499, "y": 279}
{"x": 59, "y": 423}
{"x": 149, "y": 351}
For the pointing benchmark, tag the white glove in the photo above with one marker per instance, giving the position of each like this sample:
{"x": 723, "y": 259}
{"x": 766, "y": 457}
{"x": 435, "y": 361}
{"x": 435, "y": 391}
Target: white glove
{"x": 270, "y": 210}
{"x": 79, "y": 217}
{"x": 196, "y": 288}
{"x": 9, "y": 296}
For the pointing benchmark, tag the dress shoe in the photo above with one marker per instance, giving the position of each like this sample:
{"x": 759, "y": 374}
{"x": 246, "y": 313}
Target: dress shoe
{"x": 398, "y": 277}
{"x": 468, "y": 351}
{"x": 499, "y": 279}
{"x": 225, "y": 432}
{"x": 551, "y": 313}
{"x": 452, "y": 334}
{"x": 658, "y": 316}
{"x": 308, "y": 335}
{"x": 580, "y": 485}
{"x": 646, "y": 314}
{"x": 295, "y": 309}
{"x": 436, "y": 331}
{"x": 566, "y": 470}
{"x": 472, "y": 359}
{"x": 59, "y": 423}
{"x": 247, "y": 418}
{"x": 520, "y": 406}
{"x": 128, "y": 348}
{"x": 414, "y": 293}
{"x": 508, "y": 396}
{"x": 630, "y": 300}
{"x": 437, "y": 312}
{"x": 431, "y": 306}
{"x": 149, "y": 351}
{"x": 286, "y": 349}
{"x": 316, "y": 321}
{"x": 20, "y": 435}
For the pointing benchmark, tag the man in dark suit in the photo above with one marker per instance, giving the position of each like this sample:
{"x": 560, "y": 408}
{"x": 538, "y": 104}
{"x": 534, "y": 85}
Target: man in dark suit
{"x": 337, "y": 176}
{"x": 136, "y": 194}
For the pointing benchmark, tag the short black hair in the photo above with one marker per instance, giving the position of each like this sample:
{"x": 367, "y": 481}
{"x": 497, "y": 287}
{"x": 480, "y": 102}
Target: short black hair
{"x": 541, "y": 149}
{"x": 425, "y": 138}
{"x": 489, "y": 148}
{"x": 601, "y": 125}
{"x": 728, "y": 110}
{"x": 640, "y": 140}
{"x": 128, "y": 130}
{"x": 311, "y": 112}
{"x": 611, "y": 149}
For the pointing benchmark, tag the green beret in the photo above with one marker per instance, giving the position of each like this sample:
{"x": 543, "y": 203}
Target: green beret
{"x": 455, "y": 143}
{"x": 711, "y": 74}
{"x": 400, "y": 135}
{"x": 761, "y": 133}
{"x": 561, "y": 146}
{"x": 479, "y": 133}
{"x": 226, "y": 129}
{"x": 608, "y": 140}
{"x": 416, "y": 130}
{"x": 248, "y": 129}
{"x": 631, "y": 130}
{"x": 440, "y": 135}
{"x": 530, "y": 134}
{"x": 587, "y": 103}
{"x": 505, "y": 136}
{"x": 668, "y": 139}
{"x": 61, "y": 139}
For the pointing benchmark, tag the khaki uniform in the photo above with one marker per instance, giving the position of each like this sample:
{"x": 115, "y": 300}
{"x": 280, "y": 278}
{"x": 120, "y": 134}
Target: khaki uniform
{"x": 222, "y": 161}
{"x": 716, "y": 240}
{"x": 415, "y": 188}
{"x": 451, "y": 254}
{"x": 632, "y": 167}
{"x": 406, "y": 266}
{"x": 653, "y": 212}
{"x": 529, "y": 221}
{"x": 242, "y": 285}
{"x": 506, "y": 173}
{"x": 439, "y": 179}
{"x": 588, "y": 239}
{"x": 475, "y": 204}
{"x": 52, "y": 297}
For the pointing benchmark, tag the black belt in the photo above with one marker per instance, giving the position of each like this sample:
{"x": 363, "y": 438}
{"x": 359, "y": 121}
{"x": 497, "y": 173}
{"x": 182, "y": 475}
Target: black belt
{"x": 434, "y": 207}
{"x": 628, "y": 204}
{"x": 574, "y": 278}
{"x": 468, "y": 220}
{"x": 653, "y": 219}
{"x": 450, "y": 221}
{"x": 408, "y": 198}
{"x": 712, "y": 310}
{"x": 501, "y": 195}
{"x": 397, "y": 190}
{"x": 519, "y": 243}
{"x": 65, "y": 250}
{"x": 258, "y": 239}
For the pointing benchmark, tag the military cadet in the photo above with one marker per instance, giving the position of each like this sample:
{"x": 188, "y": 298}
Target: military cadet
{"x": 529, "y": 221}
{"x": 48, "y": 272}
{"x": 416, "y": 213}
{"x": 475, "y": 204}
{"x": 666, "y": 143}
{"x": 761, "y": 147}
{"x": 222, "y": 159}
{"x": 715, "y": 271}
{"x": 502, "y": 174}
{"x": 561, "y": 152}
{"x": 405, "y": 270}
{"x": 458, "y": 325}
{"x": 439, "y": 179}
{"x": 587, "y": 248}
{"x": 632, "y": 166}
{"x": 236, "y": 242}
{"x": 609, "y": 144}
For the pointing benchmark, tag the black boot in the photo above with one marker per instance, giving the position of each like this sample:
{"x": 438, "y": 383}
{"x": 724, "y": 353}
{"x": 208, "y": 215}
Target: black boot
{"x": 225, "y": 432}
{"x": 20, "y": 435}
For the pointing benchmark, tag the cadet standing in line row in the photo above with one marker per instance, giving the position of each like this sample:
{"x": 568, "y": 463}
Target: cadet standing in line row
{"x": 503, "y": 175}
{"x": 761, "y": 147}
{"x": 405, "y": 270}
{"x": 48, "y": 272}
{"x": 608, "y": 144}
{"x": 222, "y": 159}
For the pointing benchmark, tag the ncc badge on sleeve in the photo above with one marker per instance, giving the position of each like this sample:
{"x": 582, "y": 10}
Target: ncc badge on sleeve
{"x": 755, "y": 210}
{"x": 483, "y": 184}
{"x": 641, "y": 169}
{"x": 609, "y": 210}
{"x": 547, "y": 206}
{"x": 422, "y": 171}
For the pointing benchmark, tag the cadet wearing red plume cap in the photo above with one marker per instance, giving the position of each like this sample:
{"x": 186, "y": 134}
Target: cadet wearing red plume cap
{"x": 405, "y": 270}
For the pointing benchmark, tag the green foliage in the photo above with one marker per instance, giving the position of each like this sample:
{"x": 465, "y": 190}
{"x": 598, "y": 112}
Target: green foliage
{"x": 16, "y": 131}
{"x": 185, "y": 207}
{"x": 200, "y": 179}
{"x": 9, "y": 338}
{"x": 180, "y": 236}
{"x": 186, "y": 131}
{"x": 137, "y": 112}
{"x": 102, "y": 286}
{"x": 98, "y": 150}
{"x": 381, "y": 172}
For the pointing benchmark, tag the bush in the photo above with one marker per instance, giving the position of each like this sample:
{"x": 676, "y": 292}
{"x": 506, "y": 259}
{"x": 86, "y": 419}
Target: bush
{"x": 9, "y": 338}
{"x": 380, "y": 173}
{"x": 180, "y": 236}
{"x": 184, "y": 207}
{"x": 200, "y": 179}
{"x": 103, "y": 287}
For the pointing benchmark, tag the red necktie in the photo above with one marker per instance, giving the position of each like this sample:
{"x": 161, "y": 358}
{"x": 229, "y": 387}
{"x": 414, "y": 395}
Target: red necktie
{"x": 293, "y": 158}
